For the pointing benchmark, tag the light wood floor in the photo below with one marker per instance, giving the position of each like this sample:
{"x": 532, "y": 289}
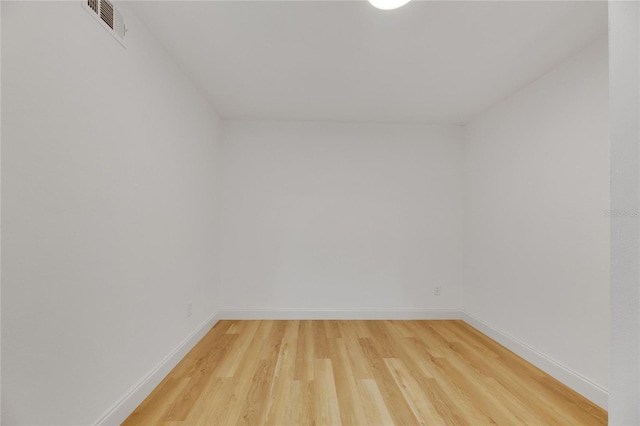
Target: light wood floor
{"x": 358, "y": 373}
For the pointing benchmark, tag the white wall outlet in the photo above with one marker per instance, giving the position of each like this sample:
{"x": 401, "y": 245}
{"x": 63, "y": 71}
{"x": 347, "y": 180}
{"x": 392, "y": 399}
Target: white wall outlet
{"x": 437, "y": 290}
{"x": 189, "y": 309}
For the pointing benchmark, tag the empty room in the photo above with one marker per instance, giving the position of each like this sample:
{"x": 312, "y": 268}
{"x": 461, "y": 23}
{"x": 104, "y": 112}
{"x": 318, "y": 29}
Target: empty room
{"x": 382, "y": 212}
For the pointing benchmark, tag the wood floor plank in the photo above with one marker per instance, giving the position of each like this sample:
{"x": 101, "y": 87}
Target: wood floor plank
{"x": 281, "y": 385}
{"x": 358, "y": 373}
{"x": 355, "y": 355}
{"x": 206, "y": 411}
{"x": 200, "y": 377}
{"x": 253, "y": 409}
{"x": 422, "y": 408}
{"x": 350, "y": 402}
{"x": 375, "y": 408}
{"x": 332, "y": 329}
{"x": 304, "y": 408}
{"x": 304, "y": 352}
{"x": 158, "y": 403}
{"x": 398, "y": 407}
{"x": 320, "y": 348}
{"x": 325, "y": 398}
{"x": 249, "y": 373}
{"x": 230, "y": 363}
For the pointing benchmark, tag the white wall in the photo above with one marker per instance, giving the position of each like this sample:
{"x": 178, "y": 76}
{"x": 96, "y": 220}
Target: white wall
{"x": 0, "y": 218}
{"x": 537, "y": 195}
{"x": 109, "y": 231}
{"x": 341, "y": 216}
{"x": 624, "y": 388}
{"x": 109, "y": 211}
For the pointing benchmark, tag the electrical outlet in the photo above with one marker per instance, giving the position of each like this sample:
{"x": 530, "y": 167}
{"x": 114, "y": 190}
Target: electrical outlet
{"x": 437, "y": 290}
{"x": 189, "y": 309}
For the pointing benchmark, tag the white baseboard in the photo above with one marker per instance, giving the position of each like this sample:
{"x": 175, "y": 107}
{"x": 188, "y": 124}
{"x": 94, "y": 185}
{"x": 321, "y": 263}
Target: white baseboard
{"x": 347, "y": 314}
{"x": 121, "y": 410}
{"x": 585, "y": 387}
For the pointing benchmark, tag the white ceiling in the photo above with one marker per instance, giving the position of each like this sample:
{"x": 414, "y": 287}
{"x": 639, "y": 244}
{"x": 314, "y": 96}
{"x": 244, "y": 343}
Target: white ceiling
{"x": 428, "y": 62}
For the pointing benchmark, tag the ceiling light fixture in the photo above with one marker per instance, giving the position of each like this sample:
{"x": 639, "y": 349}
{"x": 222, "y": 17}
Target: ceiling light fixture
{"x": 388, "y": 4}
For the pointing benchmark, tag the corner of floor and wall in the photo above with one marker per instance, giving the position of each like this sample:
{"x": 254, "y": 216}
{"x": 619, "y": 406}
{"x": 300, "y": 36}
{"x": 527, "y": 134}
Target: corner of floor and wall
{"x": 122, "y": 248}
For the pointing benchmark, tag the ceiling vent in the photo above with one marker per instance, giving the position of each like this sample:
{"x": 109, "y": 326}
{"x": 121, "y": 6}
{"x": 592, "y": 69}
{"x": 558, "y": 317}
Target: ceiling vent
{"x": 108, "y": 16}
